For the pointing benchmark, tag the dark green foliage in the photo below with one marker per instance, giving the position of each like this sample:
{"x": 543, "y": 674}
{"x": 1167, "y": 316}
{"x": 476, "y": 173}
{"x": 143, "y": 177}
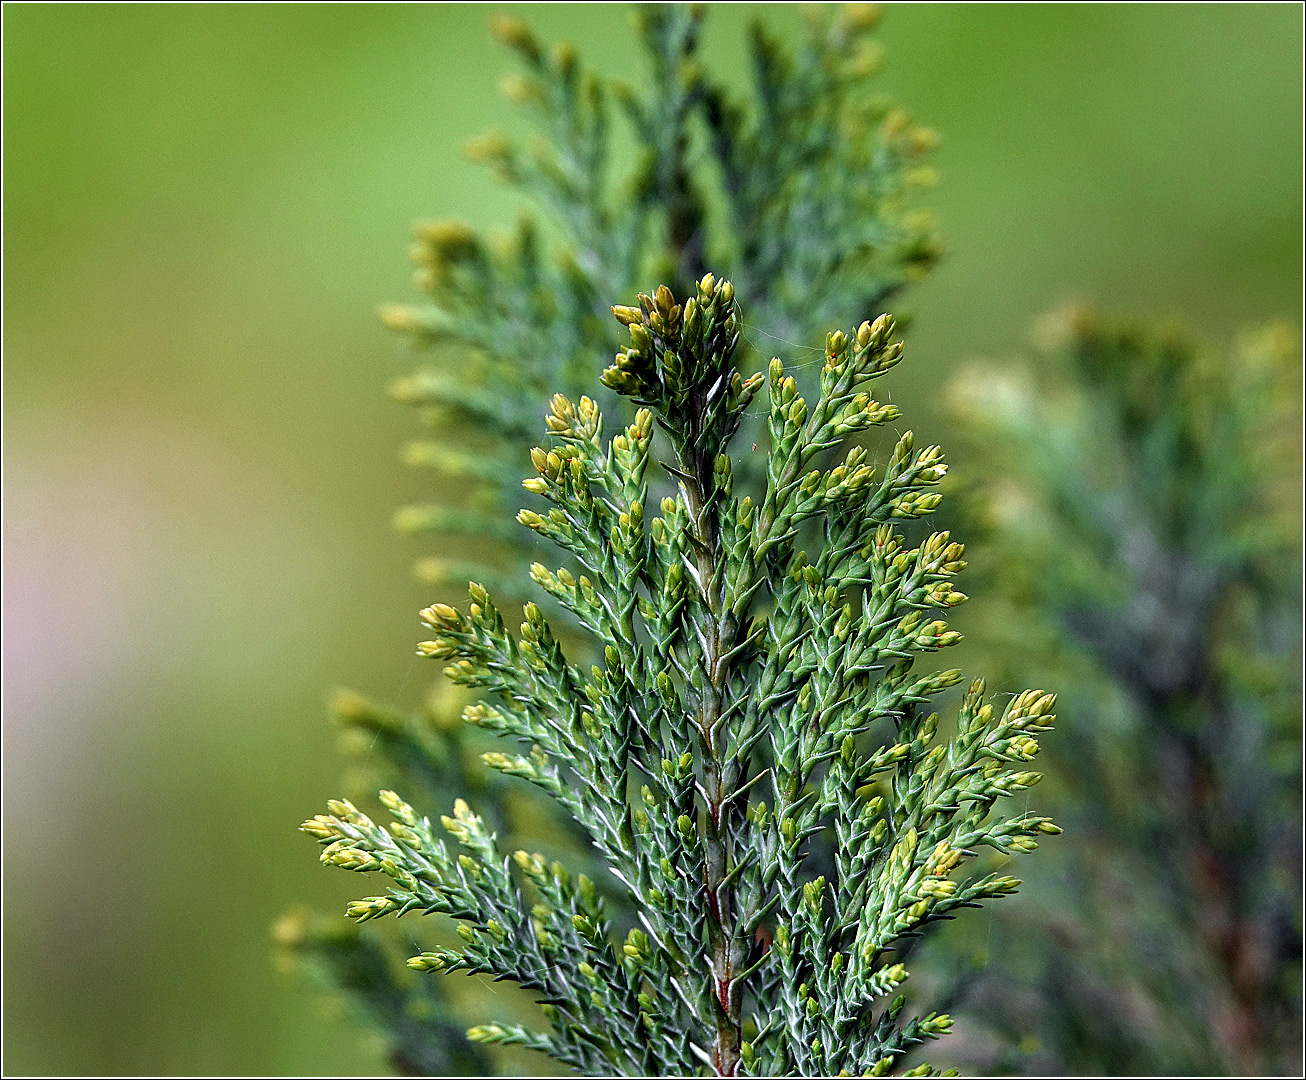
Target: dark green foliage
{"x": 1144, "y": 536}
{"x": 368, "y": 972}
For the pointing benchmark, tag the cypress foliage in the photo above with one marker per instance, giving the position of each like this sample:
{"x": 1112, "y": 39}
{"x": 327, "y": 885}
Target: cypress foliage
{"x": 720, "y": 731}
{"x": 798, "y": 192}
{"x": 752, "y": 712}
{"x": 1141, "y": 524}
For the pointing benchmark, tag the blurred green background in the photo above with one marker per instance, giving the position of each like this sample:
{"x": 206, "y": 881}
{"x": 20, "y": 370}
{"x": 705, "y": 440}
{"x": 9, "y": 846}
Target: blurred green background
{"x": 203, "y": 206}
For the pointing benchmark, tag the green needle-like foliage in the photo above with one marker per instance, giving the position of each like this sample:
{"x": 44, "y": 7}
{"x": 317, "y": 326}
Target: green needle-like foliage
{"x": 797, "y": 186}
{"x": 797, "y": 193}
{"x": 750, "y": 754}
{"x": 1144, "y": 535}
{"x": 368, "y": 972}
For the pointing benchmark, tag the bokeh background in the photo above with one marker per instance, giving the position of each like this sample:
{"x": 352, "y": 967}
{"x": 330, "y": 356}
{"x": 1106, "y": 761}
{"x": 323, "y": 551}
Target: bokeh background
{"x": 203, "y": 207}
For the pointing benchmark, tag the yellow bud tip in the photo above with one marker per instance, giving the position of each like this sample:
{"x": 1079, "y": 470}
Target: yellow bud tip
{"x": 519, "y": 90}
{"x": 399, "y": 317}
{"x": 861, "y": 17}
{"x": 487, "y": 148}
{"x": 509, "y": 31}
{"x": 290, "y": 930}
